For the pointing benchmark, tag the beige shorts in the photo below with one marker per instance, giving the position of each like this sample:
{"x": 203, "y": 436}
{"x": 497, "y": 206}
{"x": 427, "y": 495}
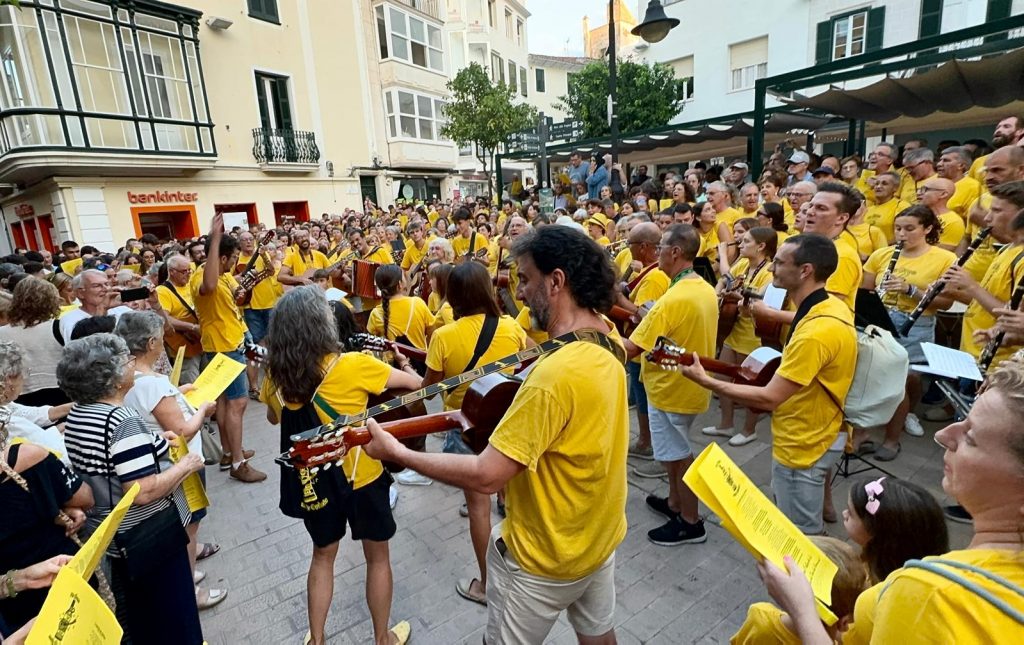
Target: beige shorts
{"x": 522, "y": 607}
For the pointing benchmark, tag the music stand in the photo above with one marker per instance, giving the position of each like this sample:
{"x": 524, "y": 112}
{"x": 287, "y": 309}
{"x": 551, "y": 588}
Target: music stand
{"x": 703, "y": 267}
{"x": 869, "y": 310}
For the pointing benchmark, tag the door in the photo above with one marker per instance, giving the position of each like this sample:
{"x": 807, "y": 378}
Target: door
{"x": 276, "y": 118}
{"x": 295, "y": 211}
{"x": 368, "y": 188}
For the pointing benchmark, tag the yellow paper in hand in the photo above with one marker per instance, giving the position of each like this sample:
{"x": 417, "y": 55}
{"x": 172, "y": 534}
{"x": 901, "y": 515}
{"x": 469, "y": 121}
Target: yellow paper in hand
{"x": 74, "y": 613}
{"x": 179, "y": 360}
{"x": 195, "y": 493}
{"x": 66, "y": 308}
{"x": 88, "y": 557}
{"x": 756, "y": 523}
{"x": 216, "y": 378}
{"x": 71, "y": 266}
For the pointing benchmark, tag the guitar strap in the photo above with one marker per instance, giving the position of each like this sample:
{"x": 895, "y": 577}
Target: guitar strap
{"x": 547, "y": 347}
{"x": 640, "y": 276}
{"x": 483, "y": 341}
{"x": 472, "y": 245}
{"x": 170, "y": 286}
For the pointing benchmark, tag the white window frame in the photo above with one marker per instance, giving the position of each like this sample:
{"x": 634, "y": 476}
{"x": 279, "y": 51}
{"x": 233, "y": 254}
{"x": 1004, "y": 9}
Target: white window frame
{"x": 405, "y": 34}
{"x": 844, "y": 27}
{"x": 743, "y": 78}
{"x": 394, "y": 116}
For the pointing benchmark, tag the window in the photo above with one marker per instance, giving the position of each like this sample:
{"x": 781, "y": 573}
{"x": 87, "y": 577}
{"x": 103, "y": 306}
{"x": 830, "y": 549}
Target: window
{"x": 851, "y": 34}
{"x": 274, "y": 101}
{"x": 848, "y": 35}
{"x": 497, "y": 68}
{"x": 519, "y": 31}
{"x": 509, "y": 33}
{"x": 492, "y": 13}
{"x": 512, "y": 76}
{"x": 264, "y": 10}
{"x": 522, "y": 81}
{"x": 410, "y": 39}
{"x": 414, "y": 116}
{"x": 748, "y": 62}
{"x": 540, "y": 80}
{"x": 683, "y": 68}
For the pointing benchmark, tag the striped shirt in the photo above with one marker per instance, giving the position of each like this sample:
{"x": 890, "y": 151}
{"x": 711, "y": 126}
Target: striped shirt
{"x": 110, "y": 446}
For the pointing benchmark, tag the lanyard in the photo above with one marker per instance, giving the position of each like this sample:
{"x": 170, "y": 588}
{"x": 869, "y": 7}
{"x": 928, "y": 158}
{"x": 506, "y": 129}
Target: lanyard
{"x": 682, "y": 274}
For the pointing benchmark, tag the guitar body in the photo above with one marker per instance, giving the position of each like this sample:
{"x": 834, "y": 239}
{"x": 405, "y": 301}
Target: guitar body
{"x": 505, "y": 299}
{"x": 485, "y": 404}
{"x": 728, "y": 314}
{"x": 769, "y": 331}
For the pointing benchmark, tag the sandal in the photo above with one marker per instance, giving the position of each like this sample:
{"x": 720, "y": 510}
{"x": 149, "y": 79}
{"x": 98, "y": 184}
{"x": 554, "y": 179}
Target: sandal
{"x": 402, "y": 631}
{"x": 208, "y": 549}
{"x": 213, "y": 597}
{"x": 254, "y": 394}
{"x": 465, "y": 589}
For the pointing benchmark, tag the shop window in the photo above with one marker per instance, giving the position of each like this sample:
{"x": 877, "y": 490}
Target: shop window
{"x": 290, "y": 211}
{"x": 167, "y": 223}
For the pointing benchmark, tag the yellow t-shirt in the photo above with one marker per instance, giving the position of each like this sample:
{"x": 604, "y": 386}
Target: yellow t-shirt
{"x": 921, "y": 272}
{"x": 300, "y": 265}
{"x": 977, "y": 173}
{"x": 413, "y": 255}
{"x": 536, "y": 335}
{"x": 917, "y": 606}
{"x": 952, "y": 229}
{"x": 380, "y": 256}
{"x": 266, "y": 293}
{"x": 444, "y": 315}
{"x": 821, "y": 353}
{"x": 764, "y": 626}
{"x": 782, "y": 237}
{"x": 652, "y": 286}
{"x": 967, "y": 190}
{"x": 742, "y": 338}
{"x": 729, "y": 216}
{"x": 408, "y": 317}
{"x": 434, "y": 302}
{"x": 492, "y": 257}
{"x": 979, "y": 263}
{"x": 603, "y": 241}
{"x": 220, "y": 320}
{"x": 452, "y": 346}
{"x": 346, "y": 388}
{"x": 174, "y": 307}
{"x": 623, "y": 259}
{"x": 847, "y": 277}
{"x": 665, "y": 203}
{"x": 883, "y": 216}
{"x": 1005, "y": 272}
{"x": 869, "y": 238}
{"x": 709, "y": 244}
{"x": 567, "y": 510}
{"x": 688, "y": 315}
{"x": 461, "y": 245}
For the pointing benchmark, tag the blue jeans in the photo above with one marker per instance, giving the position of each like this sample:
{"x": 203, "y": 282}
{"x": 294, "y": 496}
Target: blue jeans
{"x": 637, "y": 393}
{"x": 258, "y": 321}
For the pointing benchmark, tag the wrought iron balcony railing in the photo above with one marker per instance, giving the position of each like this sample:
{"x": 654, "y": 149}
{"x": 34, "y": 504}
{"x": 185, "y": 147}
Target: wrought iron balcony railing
{"x": 284, "y": 146}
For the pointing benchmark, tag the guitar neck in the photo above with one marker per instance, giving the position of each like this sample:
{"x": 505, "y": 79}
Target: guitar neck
{"x": 412, "y": 428}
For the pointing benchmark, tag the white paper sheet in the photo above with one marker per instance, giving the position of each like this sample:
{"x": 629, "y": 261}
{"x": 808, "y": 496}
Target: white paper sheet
{"x": 774, "y": 297}
{"x": 951, "y": 363}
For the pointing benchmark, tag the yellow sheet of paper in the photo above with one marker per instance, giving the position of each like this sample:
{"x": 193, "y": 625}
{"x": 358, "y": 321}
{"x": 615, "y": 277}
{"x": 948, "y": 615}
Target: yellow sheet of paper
{"x": 179, "y": 360}
{"x": 756, "y": 523}
{"x": 71, "y": 266}
{"x": 88, "y": 557}
{"x": 74, "y": 613}
{"x": 66, "y": 308}
{"x": 195, "y": 493}
{"x": 216, "y": 378}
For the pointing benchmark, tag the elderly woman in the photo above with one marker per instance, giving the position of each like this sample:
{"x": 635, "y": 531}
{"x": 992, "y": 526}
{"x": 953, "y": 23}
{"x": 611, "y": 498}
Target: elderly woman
{"x": 31, "y": 324}
{"x": 164, "y": 410}
{"x": 441, "y": 249}
{"x": 35, "y": 486}
{"x": 113, "y": 450}
{"x": 972, "y": 595}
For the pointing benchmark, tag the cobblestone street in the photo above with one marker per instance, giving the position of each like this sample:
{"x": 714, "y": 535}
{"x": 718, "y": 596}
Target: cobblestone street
{"x": 688, "y": 594}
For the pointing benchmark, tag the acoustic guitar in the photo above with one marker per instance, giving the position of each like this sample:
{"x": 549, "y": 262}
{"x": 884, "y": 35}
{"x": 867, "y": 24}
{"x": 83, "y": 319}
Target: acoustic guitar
{"x": 756, "y": 369}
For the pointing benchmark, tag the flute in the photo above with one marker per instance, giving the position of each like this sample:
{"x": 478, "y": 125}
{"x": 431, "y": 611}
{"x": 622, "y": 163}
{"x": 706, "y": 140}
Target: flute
{"x": 993, "y": 345}
{"x": 879, "y": 289}
{"x": 939, "y": 285}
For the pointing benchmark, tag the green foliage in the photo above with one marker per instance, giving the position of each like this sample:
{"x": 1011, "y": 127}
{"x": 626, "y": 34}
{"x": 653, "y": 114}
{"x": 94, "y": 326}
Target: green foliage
{"x": 482, "y": 114}
{"x": 648, "y": 96}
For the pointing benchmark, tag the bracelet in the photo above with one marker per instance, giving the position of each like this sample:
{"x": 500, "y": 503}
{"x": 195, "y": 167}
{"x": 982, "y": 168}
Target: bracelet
{"x": 8, "y": 579}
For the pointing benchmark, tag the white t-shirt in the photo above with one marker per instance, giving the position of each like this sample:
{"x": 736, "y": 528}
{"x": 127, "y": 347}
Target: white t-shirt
{"x": 73, "y": 317}
{"x": 42, "y": 352}
{"x": 26, "y": 423}
{"x": 147, "y": 393}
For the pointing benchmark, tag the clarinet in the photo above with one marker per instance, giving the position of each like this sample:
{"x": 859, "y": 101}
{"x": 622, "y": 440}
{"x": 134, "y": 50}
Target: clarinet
{"x": 939, "y": 285}
{"x": 879, "y": 289}
{"x": 992, "y": 346}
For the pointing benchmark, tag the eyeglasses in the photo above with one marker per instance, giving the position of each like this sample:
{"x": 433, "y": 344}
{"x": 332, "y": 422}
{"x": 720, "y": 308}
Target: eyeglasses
{"x": 925, "y": 189}
{"x": 185, "y": 270}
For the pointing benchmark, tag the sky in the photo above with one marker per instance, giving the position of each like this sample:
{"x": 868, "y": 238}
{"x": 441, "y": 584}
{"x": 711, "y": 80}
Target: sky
{"x": 555, "y": 27}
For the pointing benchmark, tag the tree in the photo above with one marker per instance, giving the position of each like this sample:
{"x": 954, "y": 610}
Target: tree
{"x": 482, "y": 114}
{"x": 648, "y": 96}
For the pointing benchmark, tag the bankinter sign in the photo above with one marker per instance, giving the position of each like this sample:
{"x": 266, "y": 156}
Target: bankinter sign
{"x": 162, "y": 197}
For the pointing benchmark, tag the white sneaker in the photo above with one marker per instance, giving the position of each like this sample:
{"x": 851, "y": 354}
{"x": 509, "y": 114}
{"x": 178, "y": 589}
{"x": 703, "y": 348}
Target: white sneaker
{"x": 715, "y": 431}
{"x": 740, "y": 439}
{"x": 393, "y": 496}
{"x": 410, "y": 477}
{"x": 913, "y": 426}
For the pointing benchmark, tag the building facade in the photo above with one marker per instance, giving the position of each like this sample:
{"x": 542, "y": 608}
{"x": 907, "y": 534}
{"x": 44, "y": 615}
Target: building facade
{"x": 549, "y": 78}
{"x": 124, "y": 118}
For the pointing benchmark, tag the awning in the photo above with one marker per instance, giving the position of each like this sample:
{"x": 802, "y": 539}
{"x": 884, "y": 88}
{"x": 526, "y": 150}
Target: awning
{"x": 952, "y": 87}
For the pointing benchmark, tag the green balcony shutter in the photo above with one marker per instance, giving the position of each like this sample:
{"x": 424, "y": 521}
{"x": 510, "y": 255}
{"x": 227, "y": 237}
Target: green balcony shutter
{"x": 931, "y": 18}
{"x": 997, "y": 10}
{"x": 823, "y": 43}
{"x": 876, "y": 29}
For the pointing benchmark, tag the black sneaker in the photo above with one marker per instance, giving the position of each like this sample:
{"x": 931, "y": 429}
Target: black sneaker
{"x": 957, "y": 514}
{"x": 678, "y": 531}
{"x": 660, "y": 506}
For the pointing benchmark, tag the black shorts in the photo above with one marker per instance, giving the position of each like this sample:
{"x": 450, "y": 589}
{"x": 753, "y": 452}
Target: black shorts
{"x": 366, "y": 510}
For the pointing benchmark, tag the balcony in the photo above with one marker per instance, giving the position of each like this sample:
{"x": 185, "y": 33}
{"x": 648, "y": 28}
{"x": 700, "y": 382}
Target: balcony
{"x": 434, "y": 8}
{"x": 279, "y": 150}
{"x": 68, "y": 105}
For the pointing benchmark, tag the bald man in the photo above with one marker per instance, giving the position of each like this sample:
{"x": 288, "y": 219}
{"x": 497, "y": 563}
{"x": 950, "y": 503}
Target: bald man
{"x": 935, "y": 193}
{"x": 953, "y": 165}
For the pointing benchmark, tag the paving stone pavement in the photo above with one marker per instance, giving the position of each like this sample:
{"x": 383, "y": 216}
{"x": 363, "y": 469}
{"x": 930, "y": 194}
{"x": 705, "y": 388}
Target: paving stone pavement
{"x": 687, "y": 594}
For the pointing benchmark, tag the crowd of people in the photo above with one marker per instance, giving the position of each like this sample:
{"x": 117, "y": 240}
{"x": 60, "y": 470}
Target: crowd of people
{"x": 88, "y": 340}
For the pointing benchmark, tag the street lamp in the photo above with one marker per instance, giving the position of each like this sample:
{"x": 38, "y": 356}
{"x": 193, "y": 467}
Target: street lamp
{"x": 653, "y": 29}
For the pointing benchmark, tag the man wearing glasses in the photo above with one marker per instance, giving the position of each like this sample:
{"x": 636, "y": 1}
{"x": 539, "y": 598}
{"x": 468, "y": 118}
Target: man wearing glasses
{"x": 176, "y": 299}
{"x": 92, "y": 288}
{"x": 884, "y": 155}
{"x": 920, "y": 165}
{"x": 935, "y": 193}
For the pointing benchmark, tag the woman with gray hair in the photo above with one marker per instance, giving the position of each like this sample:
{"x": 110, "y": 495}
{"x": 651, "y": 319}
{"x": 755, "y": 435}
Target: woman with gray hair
{"x": 111, "y": 448}
{"x": 164, "y": 410}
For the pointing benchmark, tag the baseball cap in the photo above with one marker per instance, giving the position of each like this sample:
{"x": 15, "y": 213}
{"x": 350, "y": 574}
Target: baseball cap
{"x": 799, "y": 156}
{"x": 739, "y": 164}
{"x": 823, "y": 170}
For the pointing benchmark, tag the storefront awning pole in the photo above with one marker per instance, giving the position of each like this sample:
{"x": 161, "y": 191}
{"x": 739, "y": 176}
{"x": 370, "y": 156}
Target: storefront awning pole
{"x": 756, "y": 141}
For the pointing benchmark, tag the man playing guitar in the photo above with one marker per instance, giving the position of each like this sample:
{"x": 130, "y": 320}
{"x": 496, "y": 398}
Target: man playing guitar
{"x": 468, "y": 244}
{"x": 566, "y": 429}
{"x": 176, "y": 299}
{"x": 298, "y": 267}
